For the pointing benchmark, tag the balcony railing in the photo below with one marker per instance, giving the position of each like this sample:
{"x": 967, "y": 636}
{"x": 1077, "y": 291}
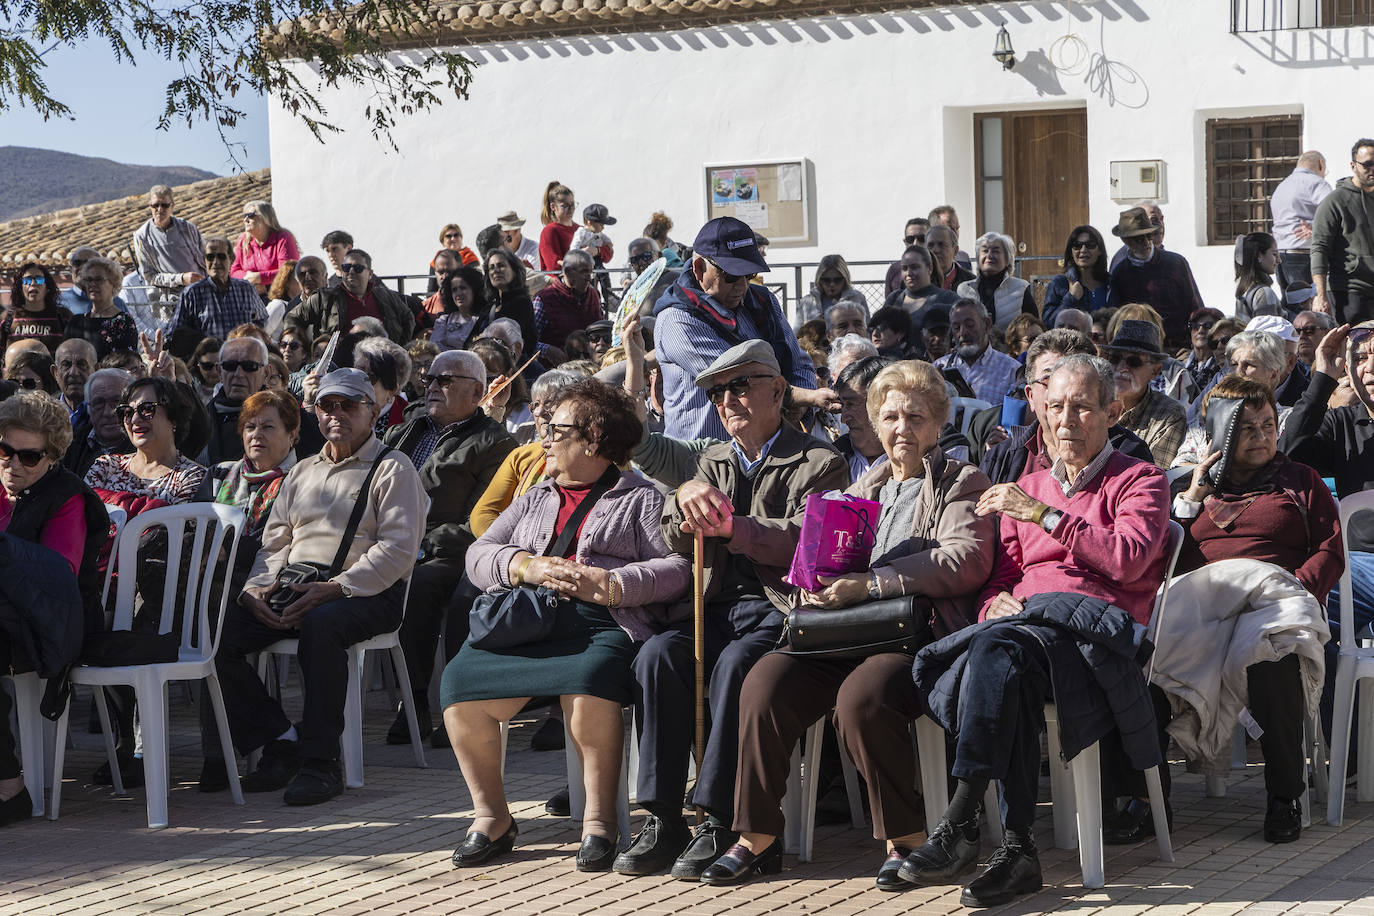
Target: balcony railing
{"x": 1273, "y": 15}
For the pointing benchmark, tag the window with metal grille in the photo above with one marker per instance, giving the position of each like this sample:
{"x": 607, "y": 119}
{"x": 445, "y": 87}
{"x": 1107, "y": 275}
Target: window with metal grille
{"x": 1246, "y": 160}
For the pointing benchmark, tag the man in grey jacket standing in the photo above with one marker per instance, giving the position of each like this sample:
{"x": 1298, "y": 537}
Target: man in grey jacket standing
{"x": 168, "y": 249}
{"x": 1343, "y": 243}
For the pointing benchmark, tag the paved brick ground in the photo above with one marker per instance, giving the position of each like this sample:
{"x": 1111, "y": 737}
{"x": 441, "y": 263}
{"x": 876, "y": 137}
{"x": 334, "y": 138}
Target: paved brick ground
{"x": 384, "y": 849}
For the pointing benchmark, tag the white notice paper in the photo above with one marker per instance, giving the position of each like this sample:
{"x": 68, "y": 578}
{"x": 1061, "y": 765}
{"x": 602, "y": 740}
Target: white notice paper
{"x": 753, "y": 215}
{"x": 789, "y": 182}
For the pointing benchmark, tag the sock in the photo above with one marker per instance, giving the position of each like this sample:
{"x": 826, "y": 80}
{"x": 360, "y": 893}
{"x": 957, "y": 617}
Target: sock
{"x": 718, "y": 819}
{"x": 289, "y": 735}
{"x": 968, "y": 795}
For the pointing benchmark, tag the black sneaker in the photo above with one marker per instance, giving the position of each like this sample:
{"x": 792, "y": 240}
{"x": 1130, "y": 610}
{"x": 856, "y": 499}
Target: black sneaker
{"x": 1283, "y": 821}
{"x": 281, "y": 761}
{"x": 655, "y": 847}
{"x": 1013, "y": 870}
{"x": 399, "y": 732}
{"x": 1134, "y": 823}
{"x": 130, "y": 773}
{"x": 709, "y": 842}
{"x": 950, "y": 851}
{"x": 318, "y": 781}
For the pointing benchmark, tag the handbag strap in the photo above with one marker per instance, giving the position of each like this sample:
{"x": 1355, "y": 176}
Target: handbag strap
{"x": 356, "y": 518}
{"x": 598, "y": 490}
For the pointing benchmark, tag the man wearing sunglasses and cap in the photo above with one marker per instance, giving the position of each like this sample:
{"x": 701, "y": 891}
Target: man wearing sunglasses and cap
{"x": 364, "y": 599}
{"x": 513, "y": 237}
{"x": 712, "y": 308}
{"x": 1137, "y": 357}
{"x": 1148, "y": 273}
{"x": 747, "y": 499}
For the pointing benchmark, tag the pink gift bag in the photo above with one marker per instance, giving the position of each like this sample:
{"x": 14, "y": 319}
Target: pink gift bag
{"x": 837, "y": 537}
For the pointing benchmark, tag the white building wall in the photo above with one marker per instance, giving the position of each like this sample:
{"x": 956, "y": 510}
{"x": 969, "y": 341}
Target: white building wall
{"x": 882, "y": 105}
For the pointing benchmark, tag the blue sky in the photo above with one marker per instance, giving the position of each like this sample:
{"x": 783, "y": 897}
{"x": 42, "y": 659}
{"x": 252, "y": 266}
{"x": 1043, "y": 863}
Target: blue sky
{"x": 115, "y": 108}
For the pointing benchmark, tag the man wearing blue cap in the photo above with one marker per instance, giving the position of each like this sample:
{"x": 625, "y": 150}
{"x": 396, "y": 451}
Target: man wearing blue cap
{"x": 712, "y": 308}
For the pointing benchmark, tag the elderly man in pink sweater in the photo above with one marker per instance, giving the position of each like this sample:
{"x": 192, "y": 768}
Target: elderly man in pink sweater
{"x": 1082, "y": 555}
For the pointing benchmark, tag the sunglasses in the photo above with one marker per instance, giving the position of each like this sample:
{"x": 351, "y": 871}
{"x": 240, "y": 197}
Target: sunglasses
{"x": 739, "y": 387}
{"x": 1202, "y": 325}
{"x": 1358, "y": 336}
{"x": 216, "y": 255}
{"x": 250, "y": 216}
{"x": 352, "y": 268}
{"x": 829, "y": 280}
{"x": 725, "y": 277}
{"x": 146, "y": 411}
{"x": 234, "y": 365}
{"x": 292, "y": 345}
{"x": 599, "y": 336}
{"x": 442, "y": 379}
{"x": 645, "y": 258}
{"x": 159, "y": 206}
{"x": 28, "y": 383}
{"x": 28, "y": 457}
{"x": 339, "y": 405}
{"x": 453, "y": 235}
{"x": 208, "y": 365}
{"x": 1218, "y": 343}
{"x": 915, "y": 240}
{"x": 1079, "y": 246}
{"x": 1133, "y": 360}
{"x": 35, "y": 281}
{"x": 1309, "y": 331}
{"x": 1367, "y": 164}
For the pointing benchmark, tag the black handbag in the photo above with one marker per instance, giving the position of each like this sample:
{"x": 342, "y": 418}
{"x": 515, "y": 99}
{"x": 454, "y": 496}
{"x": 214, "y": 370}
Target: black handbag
{"x": 886, "y": 625}
{"x": 305, "y": 572}
{"x": 525, "y": 614}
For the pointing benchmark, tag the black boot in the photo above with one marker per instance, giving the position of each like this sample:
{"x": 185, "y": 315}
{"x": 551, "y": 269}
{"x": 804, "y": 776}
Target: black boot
{"x": 951, "y": 850}
{"x": 1013, "y": 870}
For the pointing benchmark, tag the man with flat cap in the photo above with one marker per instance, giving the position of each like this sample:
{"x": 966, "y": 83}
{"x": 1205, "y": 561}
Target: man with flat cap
{"x": 712, "y": 308}
{"x": 1152, "y": 275}
{"x": 747, "y": 499}
{"x": 349, "y": 601}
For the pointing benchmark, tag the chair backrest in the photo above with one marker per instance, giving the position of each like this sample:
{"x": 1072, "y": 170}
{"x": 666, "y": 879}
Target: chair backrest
{"x": 215, "y": 531}
{"x": 1161, "y": 596}
{"x": 1181, "y": 471}
{"x": 970, "y": 408}
{"x": 117, "y": 519}
{"x": 1355, "y": 502}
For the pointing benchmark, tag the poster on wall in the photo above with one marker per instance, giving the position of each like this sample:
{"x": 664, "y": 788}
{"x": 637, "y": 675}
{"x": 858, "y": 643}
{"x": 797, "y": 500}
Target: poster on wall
{"x": 774, "y": 197}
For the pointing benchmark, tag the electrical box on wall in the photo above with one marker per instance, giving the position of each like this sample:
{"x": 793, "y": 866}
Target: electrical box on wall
{"x": 1137, "y": 179}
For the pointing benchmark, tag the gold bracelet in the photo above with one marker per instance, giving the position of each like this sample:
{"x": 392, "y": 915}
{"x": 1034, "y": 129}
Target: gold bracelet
{"x": 1039, "y": 514}
{"x": 520, "y": 570}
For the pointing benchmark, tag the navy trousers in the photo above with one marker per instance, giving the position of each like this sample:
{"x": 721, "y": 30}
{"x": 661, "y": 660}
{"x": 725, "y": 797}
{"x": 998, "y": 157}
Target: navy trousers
{"x": 738, "y": 634}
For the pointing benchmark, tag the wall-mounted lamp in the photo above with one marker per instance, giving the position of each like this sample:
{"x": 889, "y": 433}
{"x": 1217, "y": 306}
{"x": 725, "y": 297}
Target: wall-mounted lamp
{"x": 1003, "y": 51}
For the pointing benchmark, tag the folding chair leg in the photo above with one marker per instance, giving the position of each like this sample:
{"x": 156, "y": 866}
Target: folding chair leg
{"x": 152, "y": 700}
{"x": 108, "y": 732}
{"x": 810, "y": 789}
{"x": 505, "y": 739}
{"x": 1161, "y": 814}
{"x": 1063, "y": 806}
{"x": 1087, "y": 792}
{"x": 226, "y": 742}
{"x": 353, "y": 722}
{"x": 792, "y": 805}
{"x": 1340, "y": 739}
{"x": 59, "y": 759}
{"x": 857, "y": 819}
{"x": 992, "y": 812}
{"x": 27, "y": 690}
{"x": 930, "y": 749}
{"x": 398, "y": 663}
{"x": 1364, "y": 745}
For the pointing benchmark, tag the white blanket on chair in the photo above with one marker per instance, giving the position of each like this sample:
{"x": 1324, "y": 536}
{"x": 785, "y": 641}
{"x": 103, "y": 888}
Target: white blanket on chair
{"x": 1216, "y": 622}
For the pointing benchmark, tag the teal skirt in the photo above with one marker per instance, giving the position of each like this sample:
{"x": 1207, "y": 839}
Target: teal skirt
{"x": 587, "y": 653}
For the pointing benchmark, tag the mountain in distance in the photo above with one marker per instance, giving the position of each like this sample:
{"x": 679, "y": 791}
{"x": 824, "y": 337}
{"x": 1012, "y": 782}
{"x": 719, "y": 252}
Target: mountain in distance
{"x": 34, "y": 181}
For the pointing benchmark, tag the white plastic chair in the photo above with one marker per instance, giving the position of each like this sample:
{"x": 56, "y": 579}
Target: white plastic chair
{"x": 211, "y": 551}
{"x": 970, "y": 408}
{"x": 1354, "y": 668}
{"x": 1076, "y": 785}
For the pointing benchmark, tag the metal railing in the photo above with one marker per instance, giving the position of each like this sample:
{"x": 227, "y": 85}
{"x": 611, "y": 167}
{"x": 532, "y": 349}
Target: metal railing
{"x": 1274, "y": 15}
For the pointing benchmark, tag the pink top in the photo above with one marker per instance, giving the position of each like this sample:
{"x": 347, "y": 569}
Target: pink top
{"x": 1110, "y": 544}
{"x": 65, "y": 532}
{"x": 266, "y": 258}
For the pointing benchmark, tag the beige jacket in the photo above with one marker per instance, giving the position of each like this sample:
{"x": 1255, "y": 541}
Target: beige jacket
{"x": 955, "y": 547}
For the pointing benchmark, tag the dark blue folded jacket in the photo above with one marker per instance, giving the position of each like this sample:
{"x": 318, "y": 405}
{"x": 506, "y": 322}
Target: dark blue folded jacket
{"x": 40, "y": 605}
{"x": 1097, "y": 655}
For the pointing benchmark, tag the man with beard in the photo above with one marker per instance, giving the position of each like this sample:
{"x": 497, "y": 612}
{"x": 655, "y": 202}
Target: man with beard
{"x": 989, "y": 373}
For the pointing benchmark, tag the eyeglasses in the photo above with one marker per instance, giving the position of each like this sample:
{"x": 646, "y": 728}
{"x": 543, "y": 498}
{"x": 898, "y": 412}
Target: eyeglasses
{"x": 557, "y": 432}
{"x": 35, "y": 281}
{"x": 1366, "y": 164}
{"x": 915, "y": 240}
{"x": 1204, "y": 324}
{"x": 1043, "y": 381}
{"x": 250, "y": 216}
{"x": 234, "y": 365}
{"x": 160, "y": 206}
{"x": 443, "y": 380}
{"x": 28, "y": 457}
{"x": 725, "y": 277}
{"x": 216, "y": 255}
{"x": 1310, "y": 330}
{"x": 739, "y": 387}
{"x": 339, "y": 405}
{"x": 1133, "y": 360}
{"x": 292, "y": 345}
{"x": 28, "y": 383}
{"x": 564, "y": 204}
{"x": 352, "y": 268}
{"x": 208, "y": 365}
{"x": 453, "y": 235}
{"x": 1079, "y": 246}
{"x": 145, "y": 411}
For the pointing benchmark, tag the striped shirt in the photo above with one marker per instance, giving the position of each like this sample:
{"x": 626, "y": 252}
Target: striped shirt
{"x": 214, "y": 313}
{"x": 990, "y": 375}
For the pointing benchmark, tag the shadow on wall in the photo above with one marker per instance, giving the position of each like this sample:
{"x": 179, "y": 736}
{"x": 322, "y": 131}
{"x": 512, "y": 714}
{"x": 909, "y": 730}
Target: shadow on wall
{"x": 820, "y": 31}
{"x": 1302, "y": 49}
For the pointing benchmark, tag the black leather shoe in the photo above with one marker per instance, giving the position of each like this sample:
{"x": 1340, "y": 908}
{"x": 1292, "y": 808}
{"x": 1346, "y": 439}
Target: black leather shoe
{"x": 709, "y": 842}
{"x": 214, "y": 776}
{"x": 1013, "y": 870}
{"x": 439, "y": 740}
{"x": 887, "y": 875}
{"x": 1283, "y": 820}
{"x": 739, "y": 865}
{"x": 399, "y": 732}
{"x": 596, "y": 853}
{"x": 281, "y": 761}
{"x": 318, "y": 781}
{"x": 655, "y": 847}
{"x": 478, "y": 849}
{"x": 1134, "y": 823}
{"x": 130, "y": 771}
{"x": 950, "y": 851}
{"x": 559, "y": 804}
{"x": 549, "y": 736}
{"x": 17, "y": 807}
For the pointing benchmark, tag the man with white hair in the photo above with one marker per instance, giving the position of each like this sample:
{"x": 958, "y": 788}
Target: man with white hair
{"x": 243, "y": 373}
{"x": 845, "y": 350}
{"x": 99, "y": 431}
{"x": 1310, "y": 327}
{"x": 1293, "y": 380}
{"x": 1075, "y": 320}
{"x": 989, "y": 372}
{"x": 457, "y": 449}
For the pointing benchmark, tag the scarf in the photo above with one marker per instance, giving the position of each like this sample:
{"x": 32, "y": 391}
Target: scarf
{"x": 253, "y": 491}
{"x": 1229, "y": 502}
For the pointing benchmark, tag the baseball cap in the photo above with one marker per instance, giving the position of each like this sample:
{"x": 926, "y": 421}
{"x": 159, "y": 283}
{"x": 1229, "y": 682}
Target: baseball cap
{"x": 731, "y": 244}
{"x": 1281, "y": 328}
{"x": 350, "y": 383}
{"x": 597, "y": 213}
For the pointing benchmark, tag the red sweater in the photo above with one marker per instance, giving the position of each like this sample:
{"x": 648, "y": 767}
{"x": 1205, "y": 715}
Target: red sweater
{"x": 1110, "y": 544}
{"x": 554, "y": 241}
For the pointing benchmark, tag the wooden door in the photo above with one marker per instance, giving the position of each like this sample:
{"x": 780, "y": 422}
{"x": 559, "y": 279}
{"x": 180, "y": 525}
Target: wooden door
{"x": 1032, "y": 172}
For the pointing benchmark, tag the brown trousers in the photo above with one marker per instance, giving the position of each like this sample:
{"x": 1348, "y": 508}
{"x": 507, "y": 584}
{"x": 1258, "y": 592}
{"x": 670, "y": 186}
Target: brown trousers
{"x": 875, "y": 702}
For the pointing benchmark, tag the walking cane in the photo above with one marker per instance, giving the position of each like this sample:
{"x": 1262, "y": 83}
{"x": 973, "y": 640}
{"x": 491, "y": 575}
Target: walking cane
{"x": 699, "y": 647}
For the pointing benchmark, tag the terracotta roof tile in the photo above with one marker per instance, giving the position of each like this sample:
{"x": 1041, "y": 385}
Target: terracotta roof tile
{"x": 214, "y": 205}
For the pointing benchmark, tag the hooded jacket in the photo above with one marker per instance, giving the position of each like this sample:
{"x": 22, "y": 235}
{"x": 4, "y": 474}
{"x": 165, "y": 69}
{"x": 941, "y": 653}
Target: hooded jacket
{"x": 1343, "y": 240}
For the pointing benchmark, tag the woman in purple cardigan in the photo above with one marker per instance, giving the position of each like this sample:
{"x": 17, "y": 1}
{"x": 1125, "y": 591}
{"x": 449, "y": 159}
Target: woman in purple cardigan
{"x": 615, "y": 577}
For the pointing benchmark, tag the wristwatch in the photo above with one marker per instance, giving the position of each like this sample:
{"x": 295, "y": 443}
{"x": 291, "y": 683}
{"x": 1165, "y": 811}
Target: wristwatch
{"x": 347, "y": 592}
{"x": 874, "y": 591}
{"x": 1050, "y": 519}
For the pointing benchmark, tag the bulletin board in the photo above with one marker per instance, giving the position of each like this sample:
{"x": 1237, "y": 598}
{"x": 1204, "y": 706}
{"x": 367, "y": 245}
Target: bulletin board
{"x": 773, "y": 196}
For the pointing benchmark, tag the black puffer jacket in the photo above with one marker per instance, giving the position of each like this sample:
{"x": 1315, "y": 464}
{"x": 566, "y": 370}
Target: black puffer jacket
{"x": 1097, "y": 655}
{"x": 40, "y": 606}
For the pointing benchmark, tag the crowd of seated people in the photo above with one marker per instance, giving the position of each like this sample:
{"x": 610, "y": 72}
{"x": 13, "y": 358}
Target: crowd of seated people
{"x": 570, "y": 465}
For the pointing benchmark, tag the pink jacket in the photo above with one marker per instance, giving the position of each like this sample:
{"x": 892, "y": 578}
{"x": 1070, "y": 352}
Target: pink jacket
{"x": 266, "y": 259}
{"x": 1110, "y": 544}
